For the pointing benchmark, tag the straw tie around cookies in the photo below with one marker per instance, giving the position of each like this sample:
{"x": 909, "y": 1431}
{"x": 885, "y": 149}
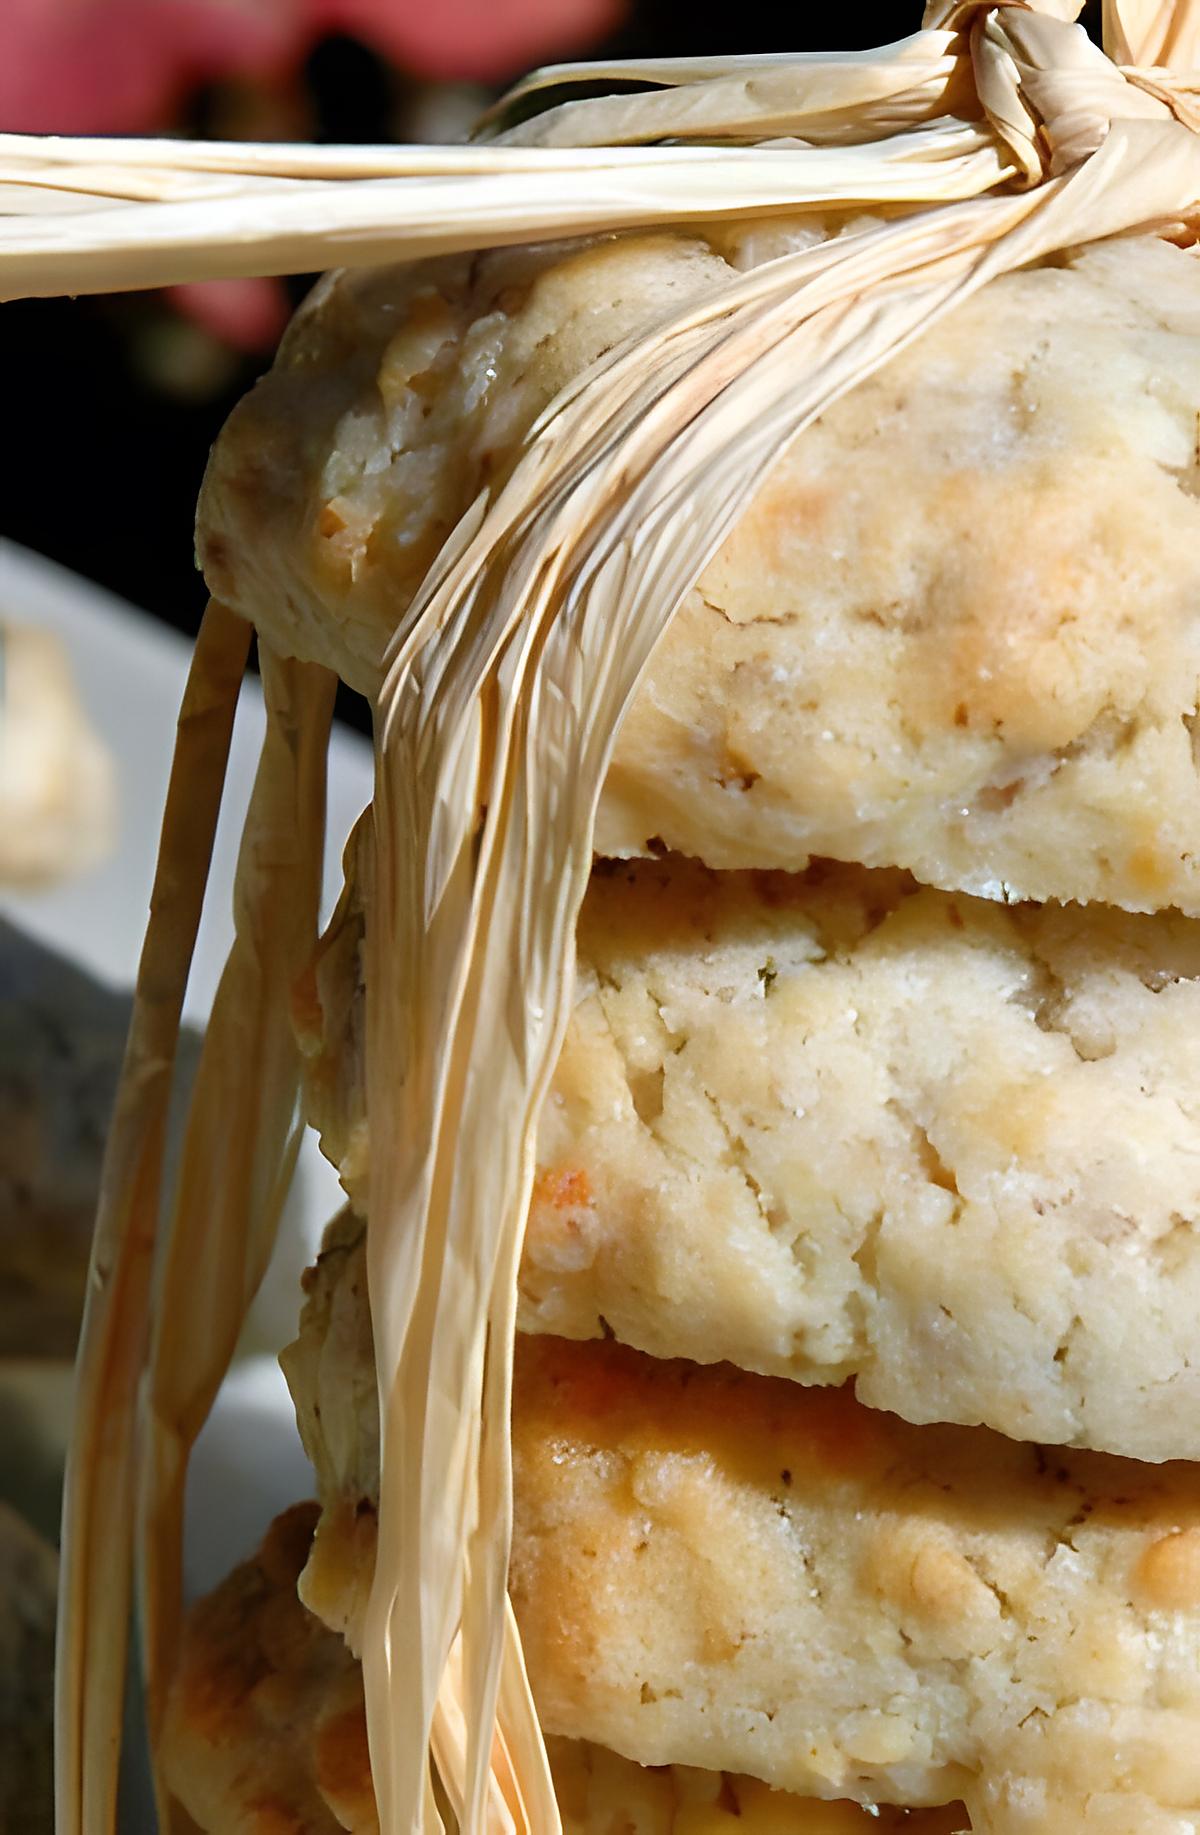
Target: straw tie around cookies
{"x": 994, "y": 137}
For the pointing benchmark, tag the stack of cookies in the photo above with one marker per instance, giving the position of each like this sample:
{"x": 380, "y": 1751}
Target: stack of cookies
{"x": 858, "y": 1379}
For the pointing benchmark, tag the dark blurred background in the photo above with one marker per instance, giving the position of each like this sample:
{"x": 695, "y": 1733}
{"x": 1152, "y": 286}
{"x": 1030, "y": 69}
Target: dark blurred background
{"x": 114, "y": 402}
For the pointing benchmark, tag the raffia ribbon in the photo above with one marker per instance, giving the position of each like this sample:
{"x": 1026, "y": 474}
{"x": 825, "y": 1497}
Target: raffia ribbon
{"x": 984, "y": 95}
{"x": 500, "y": 698}
{"x": 1050, "y": 94}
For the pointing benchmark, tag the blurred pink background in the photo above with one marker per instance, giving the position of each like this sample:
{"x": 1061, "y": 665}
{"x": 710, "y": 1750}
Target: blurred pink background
{"x": 130, "y": 66}
{"x": 123, "y": 66}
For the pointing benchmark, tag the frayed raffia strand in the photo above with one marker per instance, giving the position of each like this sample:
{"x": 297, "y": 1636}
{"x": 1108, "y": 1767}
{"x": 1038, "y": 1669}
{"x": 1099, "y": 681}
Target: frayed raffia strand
{"x": 98, "y": 1508}
{"x": 825, "y": 97}
{"x": 496, "y": 722}
{"x": 239, "y": 1146}
{"x": 505, "y": 1811}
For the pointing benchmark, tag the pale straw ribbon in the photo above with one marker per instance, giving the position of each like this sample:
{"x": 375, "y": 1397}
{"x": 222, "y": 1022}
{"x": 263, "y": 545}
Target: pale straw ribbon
{"x": 1050, "y": 95}
{"x": 995, "y": 137}
{"x": 983, "y": 96}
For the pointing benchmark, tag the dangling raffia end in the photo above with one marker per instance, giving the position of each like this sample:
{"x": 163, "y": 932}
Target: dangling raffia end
{"x": 95, "y": 1588}
{"x": 240, "y": 1142}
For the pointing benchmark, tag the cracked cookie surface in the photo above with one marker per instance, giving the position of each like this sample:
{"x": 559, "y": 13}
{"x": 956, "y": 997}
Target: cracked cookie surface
{"x": 956, "y": 631}
{"x": 834, "y": 1125}
{"x": 730, "y": 1571}
{"x": 266, "y": 1733}
{"x": 791, "y": 1584}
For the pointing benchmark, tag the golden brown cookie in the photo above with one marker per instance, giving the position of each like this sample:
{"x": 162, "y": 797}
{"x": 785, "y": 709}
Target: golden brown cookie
{"x": 286, "y": 1754}
{"x": 956, "y": 631}
{"x": 731, "y": 1571}
{"x": 836, "y": 1125}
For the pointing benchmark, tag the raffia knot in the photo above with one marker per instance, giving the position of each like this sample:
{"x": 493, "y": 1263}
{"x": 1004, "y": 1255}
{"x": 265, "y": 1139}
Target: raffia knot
{"x": 1049, "y": 94}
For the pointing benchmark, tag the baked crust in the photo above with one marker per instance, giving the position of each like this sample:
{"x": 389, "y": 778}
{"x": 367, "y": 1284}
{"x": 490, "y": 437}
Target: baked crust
{"x": 264, "y": 1732}
{"x": 836, "y": 1125}
{"x": 726, "y": 1570}
{"x": 956, "y": 631}
{"x": 266, "y": 1735}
